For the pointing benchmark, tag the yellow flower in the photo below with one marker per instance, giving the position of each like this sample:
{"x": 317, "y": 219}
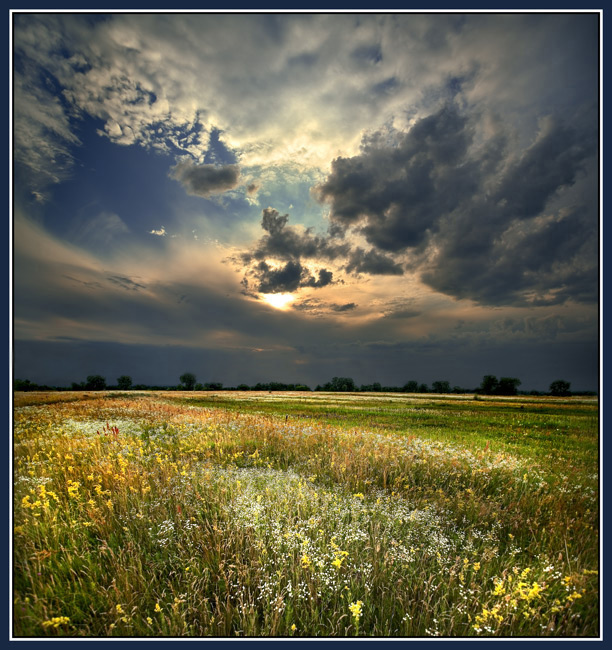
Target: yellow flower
{"x": 305, "y": 561}
{"x": 356, "y": 609}
{"x": 119, "y": 609}
{"x": 157, "y": 607}
{"x": 56, "y": 621}
{"x": 499, "y": 588}
{"x": 294, "y": 627}
{"x": 149, "y": 620}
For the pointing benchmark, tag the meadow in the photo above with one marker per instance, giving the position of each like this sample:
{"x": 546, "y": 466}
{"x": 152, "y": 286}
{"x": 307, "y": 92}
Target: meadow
{"x": 243, "y": 514}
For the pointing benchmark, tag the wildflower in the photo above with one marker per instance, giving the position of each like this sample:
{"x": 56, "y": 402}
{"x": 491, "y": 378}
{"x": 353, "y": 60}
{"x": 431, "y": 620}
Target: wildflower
{"x": 157, "y": 607}
{"x": 56, "y": 621}
{"x": 356, "y": 610}
{"x": 294, "y": 627}
{"x": 306, "y": 563}
{"x": 499, "y": 588}
{"x": 119, "y": 609}
{"x": 149, "y": 620}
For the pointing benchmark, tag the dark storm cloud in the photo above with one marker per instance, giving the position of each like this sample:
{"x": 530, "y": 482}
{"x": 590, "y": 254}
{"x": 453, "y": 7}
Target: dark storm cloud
{"x": 290, "y": 243}
{"x": 373, "y": 263}
{"x": 205, "y": 180}
{"x": 396, "y": 194}
{"x": 548, "y": 261}
{"x": 550, "y": 164}
{"x": 292, "y": 246}
{"x": 325, "y": 278}
{"x": 288, "y": 278}
{"x": 477, "y": 219}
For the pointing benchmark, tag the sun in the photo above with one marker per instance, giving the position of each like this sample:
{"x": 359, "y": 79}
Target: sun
{"x": 278, "y": 300}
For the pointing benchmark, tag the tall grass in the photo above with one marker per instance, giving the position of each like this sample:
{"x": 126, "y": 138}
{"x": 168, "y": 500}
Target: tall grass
{"x": 135, "y": 516}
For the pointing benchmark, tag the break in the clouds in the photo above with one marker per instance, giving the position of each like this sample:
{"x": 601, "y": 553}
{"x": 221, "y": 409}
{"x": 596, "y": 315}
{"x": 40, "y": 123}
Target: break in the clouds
{"x": 321, "y": 194}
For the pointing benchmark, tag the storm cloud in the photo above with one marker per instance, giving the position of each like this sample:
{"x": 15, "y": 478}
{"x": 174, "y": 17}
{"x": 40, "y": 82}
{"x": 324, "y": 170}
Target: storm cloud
{"x": 285, "y": 242}
{"x": 476, "y": 218}
{"x": 288, "y": 278}
{"x": 372, "y": 262}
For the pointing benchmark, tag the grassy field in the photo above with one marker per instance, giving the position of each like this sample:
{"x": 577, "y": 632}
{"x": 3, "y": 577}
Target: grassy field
{"x": 236, "y": 514}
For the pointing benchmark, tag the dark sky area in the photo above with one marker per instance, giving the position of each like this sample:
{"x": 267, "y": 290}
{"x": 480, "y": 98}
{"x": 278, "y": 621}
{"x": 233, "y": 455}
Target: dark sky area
{"x": 291, "y": 197}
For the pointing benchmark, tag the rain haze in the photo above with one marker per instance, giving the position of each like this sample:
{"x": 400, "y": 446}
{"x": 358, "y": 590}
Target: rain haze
{"x": 287, "y": 197}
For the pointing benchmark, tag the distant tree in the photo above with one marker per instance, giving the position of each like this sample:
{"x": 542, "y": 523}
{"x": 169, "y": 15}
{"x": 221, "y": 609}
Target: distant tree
{"x": 423, "y": 388}
{"x": 188, "y": 381}
{"x": 23, "y": 384}
{"x": 302, "y": 387}
{"x": 213, "y": 385}
{"x": 341, "y": 384}
{"x": 560, "y": 388}
{"x": 441, "y": 387}
{"x": 124, "y": 382}
{"x": 508, "y": 386}
{"x": 243, "y": 387}
{"x": 95, "y": 382}
{"x": 410, "y": 387}
{"x": 489, "y": 385}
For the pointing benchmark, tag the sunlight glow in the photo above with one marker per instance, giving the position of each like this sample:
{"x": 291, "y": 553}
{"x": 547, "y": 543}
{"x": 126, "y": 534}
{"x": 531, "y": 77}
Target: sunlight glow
{"x": 278, "y": 300}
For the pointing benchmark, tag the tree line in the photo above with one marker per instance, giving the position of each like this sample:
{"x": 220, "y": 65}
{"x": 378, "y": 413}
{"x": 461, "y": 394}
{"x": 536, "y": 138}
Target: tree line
{"x": 490, "y": 385}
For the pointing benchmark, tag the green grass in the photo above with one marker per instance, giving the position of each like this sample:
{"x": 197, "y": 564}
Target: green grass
{"x": 317, "y": 515}
{"x": 530, "y": 427}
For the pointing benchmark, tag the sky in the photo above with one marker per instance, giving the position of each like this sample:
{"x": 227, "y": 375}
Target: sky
{"x": 256, "y": 197}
